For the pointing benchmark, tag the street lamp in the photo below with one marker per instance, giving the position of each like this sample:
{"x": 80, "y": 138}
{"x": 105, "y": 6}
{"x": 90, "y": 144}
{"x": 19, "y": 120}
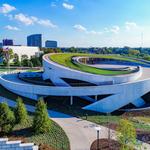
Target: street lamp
{"x": 98, "y": 131}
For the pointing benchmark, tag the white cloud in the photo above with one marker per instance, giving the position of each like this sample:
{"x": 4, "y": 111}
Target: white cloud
{"x": 80, "y": 27}
{"x": 8, "y": 27}
{"x": 46, "y": 23}
{"x": 115, "y": 29}
{"x": 92, "y": 32}
{"x": 6, "y": 8}
{"x": 130, "y": 25}
{"x": 30, "y": 20}
{"x": 68, "y": 6}
{"x": 24, "y": 19}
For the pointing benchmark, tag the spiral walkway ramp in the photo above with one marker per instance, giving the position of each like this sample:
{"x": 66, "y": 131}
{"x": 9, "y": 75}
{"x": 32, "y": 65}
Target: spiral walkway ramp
{"x": 122, "y": 81}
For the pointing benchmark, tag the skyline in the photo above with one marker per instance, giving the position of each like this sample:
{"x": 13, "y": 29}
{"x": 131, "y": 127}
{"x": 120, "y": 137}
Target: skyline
{"x": 80, "y": 23}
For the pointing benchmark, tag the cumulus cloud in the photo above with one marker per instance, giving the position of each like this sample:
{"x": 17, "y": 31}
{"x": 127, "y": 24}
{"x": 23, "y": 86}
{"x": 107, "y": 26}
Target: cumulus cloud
{"x": 115, "y": 29}
{"x": 46, "y": 23}
{"x": 24, "y": 19}
{"x": 130, "y": 25}
{"x": 6, "y": 8}
{"x": 30, "y": 20}
{"x": 8, "y": 27}
{"x": 81, "y": 28}
{"x": 68, "y": 6}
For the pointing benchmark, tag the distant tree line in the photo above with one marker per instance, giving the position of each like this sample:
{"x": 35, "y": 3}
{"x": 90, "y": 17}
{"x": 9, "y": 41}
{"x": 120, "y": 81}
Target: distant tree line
{"x": 34, "y": 61}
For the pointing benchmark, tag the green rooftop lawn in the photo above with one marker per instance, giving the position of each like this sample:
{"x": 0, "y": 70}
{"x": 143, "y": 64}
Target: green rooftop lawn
{"x": 65, "y": 59}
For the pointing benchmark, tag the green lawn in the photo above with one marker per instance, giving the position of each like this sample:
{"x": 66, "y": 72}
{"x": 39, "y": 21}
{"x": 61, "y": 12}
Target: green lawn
{"x": 65, "y": 59}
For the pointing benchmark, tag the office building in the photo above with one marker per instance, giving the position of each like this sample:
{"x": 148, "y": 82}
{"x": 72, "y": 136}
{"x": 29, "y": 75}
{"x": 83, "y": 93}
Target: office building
{"x": 7, "y": 42}
{"x": 51, "y": 44}
{"x": 1, "y": 45}
{"x": 34, "y": 40}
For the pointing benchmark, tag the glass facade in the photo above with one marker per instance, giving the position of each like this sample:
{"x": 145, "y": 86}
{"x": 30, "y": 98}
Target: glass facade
{"x": 34, "y": 40}
{"x": 51, "y": 44}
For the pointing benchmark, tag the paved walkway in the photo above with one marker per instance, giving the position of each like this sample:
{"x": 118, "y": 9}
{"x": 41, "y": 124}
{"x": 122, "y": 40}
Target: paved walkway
{"x": 81, "y": 133}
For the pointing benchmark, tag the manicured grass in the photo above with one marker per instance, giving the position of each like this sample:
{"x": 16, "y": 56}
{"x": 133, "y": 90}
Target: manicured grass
{"x": 55, "y": 138}
{"x": 65, "y": 59}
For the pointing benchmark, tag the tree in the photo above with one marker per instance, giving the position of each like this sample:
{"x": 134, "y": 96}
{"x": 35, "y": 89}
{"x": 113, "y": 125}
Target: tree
{"x": 16, "y": 60}
{"x": 21, "y": 112}
{"x": 126, "y": 134}
{"x": 7, "y": 56}
{"x": 7, "y": 119}
{"x": 41, "y": 122}
{"x": 25, "y": 61}
{"x": 36, "y": 61}
{"x": 133, "y": 52}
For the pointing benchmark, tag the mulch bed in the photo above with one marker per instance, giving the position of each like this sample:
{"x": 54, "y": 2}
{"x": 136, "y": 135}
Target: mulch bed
{"x": 105, "y": 144}
{"x": 144, "y": 113}
{"x": 143, "y": 136}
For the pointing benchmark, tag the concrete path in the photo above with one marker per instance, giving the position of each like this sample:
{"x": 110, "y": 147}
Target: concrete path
{"x": 81, "y": 133}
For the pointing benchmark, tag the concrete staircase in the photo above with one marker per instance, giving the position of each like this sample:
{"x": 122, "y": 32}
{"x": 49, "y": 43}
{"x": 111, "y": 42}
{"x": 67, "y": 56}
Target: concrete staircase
{"x": 16, "y": 145}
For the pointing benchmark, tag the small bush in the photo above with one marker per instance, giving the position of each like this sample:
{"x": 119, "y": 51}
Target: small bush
{"x": 126, "y": 134}
{"x": 7, "y": 119}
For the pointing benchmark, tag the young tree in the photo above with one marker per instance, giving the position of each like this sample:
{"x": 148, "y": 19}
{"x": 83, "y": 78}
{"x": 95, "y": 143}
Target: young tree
{"x": 7, "y": 119}
{"x": 126, "y": 134}
{"x": 16, "y": 60}
{"x": 41, "y": 122}
{"x": 7, "y": 55}
{"x": 21, "y": 112}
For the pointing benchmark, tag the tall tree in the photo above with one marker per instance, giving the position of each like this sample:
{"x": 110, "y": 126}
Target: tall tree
{"x": 21, "y": 112}
{"x": 41, "y": 123}
{"x": 7, "y": 56}
{"x": 7, "y": 119}
{"x": 16, "y": 60}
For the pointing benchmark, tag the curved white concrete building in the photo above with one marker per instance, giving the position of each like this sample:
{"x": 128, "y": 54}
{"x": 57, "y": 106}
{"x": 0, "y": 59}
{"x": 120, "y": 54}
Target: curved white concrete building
{"x": 120, "y": 90}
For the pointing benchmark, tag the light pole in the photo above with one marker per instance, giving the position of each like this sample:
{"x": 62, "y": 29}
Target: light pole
{"x": 108, "y": 114}
{"x": 98, "y": 131}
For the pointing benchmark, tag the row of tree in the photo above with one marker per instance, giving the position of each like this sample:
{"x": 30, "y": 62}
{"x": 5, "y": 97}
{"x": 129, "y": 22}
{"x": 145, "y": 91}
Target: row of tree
{"x": 9, "y": 118}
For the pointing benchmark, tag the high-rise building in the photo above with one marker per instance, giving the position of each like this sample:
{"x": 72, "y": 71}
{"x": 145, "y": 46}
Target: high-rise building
{"x": 51, "y": 44}
{"x": 1, "y": 45}
{"x": 34, "y": 40}
{"x": 7, "y": 42}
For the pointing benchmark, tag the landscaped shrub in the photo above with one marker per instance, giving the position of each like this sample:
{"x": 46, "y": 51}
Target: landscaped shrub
{"x": 126, "y": 134}
{"x": 7, "y": 119}
{"x": 41, "y": 123}
{"x": 21, "y": 112}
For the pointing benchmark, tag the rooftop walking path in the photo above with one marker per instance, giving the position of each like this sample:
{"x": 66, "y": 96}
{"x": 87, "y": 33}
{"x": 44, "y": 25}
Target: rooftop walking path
{"x": 81, "y": 133}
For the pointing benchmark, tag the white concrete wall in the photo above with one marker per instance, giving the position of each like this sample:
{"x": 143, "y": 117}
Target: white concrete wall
{"x": 53, "y": 69}
{"x": 122, "y": 93}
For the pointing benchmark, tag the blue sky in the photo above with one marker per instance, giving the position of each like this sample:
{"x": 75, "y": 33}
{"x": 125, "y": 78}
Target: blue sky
{"x": 80, "y": 23}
